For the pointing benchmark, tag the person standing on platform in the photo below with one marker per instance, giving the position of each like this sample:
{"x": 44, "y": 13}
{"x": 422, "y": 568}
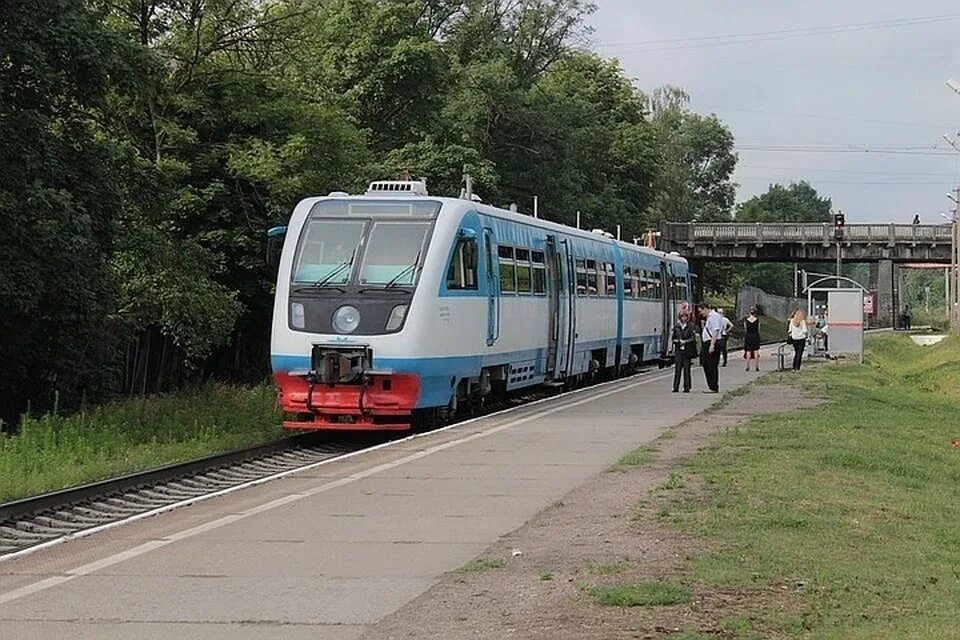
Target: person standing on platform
{"x": 710, "y": 353}
{"x": 684, "y": 339}
{"x": 724, "y": 335}
{"x": 797, "y": 334}
{"x": 751, "y": 339}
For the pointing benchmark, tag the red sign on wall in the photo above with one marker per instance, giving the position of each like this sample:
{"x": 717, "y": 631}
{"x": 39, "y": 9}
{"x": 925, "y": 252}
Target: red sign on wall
{"x": 868, "y": 303}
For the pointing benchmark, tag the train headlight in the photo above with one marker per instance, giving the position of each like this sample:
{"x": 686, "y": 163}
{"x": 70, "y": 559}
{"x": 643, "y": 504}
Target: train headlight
{"x": 297, "y": 316}
{"x": 396, "y": 317}
{"x": 346, "y": 319}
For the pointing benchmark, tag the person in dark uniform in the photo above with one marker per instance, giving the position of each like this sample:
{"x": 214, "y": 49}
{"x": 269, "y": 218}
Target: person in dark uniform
{"x": 684, "y": 340}
{"x": 751, "y": 339}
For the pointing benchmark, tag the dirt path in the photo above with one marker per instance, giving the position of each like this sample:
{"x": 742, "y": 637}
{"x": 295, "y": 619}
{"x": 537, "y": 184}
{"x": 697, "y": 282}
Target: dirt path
{"x": 535, "y": 582}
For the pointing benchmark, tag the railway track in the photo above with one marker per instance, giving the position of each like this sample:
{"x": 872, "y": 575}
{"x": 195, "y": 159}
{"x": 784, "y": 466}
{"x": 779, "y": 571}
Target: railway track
{"x": 39, "y": 521}
{"x": 46, "y": 519}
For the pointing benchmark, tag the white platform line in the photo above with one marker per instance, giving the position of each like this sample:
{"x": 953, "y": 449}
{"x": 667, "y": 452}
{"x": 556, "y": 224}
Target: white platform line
{"x": 146, "y": 547}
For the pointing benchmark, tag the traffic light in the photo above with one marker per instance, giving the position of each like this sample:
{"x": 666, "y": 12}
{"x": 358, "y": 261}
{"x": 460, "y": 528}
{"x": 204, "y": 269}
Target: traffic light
{"x": 838, "y": 221}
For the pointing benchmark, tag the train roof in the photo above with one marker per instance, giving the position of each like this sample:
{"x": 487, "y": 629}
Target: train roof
{"x": 417, "y": 190}
{"x": 523, "y": 218}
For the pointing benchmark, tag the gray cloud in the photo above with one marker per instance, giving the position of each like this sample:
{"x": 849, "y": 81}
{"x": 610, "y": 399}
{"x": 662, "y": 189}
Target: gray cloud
{"x": 797, "y": 101}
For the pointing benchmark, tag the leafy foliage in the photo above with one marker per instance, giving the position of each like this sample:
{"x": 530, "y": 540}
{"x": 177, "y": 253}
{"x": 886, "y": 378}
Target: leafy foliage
{"x": 149, "y": 143}
{"x": 798, "y": 202}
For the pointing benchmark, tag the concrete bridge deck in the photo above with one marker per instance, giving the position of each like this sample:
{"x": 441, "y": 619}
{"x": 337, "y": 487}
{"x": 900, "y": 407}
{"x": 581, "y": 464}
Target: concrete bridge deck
{"x": 801, "y": 242}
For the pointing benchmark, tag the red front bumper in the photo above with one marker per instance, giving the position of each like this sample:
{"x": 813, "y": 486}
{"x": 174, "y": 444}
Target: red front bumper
{"x": 380, "y": 403}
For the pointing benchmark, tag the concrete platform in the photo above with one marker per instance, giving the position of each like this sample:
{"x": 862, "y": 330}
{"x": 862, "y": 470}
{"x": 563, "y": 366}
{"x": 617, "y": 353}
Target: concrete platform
{"x": 324, "y": 553}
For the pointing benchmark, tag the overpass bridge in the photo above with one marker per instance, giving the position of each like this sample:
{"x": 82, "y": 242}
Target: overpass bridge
{"x": 885, "y": 246}
{"x": 806, "y": 242}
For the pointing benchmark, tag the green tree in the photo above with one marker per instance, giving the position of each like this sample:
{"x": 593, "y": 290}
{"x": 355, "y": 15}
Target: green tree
{"x": 798, "y": 202}
{"x": 58, "y": 205}
{"x": 696, "y": 165}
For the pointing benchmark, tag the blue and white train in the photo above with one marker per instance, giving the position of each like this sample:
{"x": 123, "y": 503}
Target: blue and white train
{"x": 394, "y": 306}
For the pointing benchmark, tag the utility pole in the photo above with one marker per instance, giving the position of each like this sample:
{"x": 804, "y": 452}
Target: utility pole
{"x": 955, "y": 264}
{"x": 839, "y": 222}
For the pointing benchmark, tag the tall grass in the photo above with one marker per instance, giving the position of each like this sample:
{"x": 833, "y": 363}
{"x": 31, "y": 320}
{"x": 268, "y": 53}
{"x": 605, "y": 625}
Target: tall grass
{"x": 54, "y": 452}
{"x": 851, "y": 507}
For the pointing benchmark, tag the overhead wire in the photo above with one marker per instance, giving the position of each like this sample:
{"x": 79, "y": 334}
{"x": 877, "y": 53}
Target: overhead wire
{"x": 761, "y": 36}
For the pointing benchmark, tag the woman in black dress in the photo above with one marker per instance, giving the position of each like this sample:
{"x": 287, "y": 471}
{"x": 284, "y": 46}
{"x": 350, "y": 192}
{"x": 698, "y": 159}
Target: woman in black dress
{"x": 751, "y": 339}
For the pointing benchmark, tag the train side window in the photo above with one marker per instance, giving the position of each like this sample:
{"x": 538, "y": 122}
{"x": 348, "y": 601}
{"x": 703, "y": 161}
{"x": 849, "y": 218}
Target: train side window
{"x": 611, "y": 278}
{"x": 462, "y": 273}
{"x": 539, "y": 280}
{"x": 581, "y": 277}
{"x": 539, "y": 263}
{"x": 635, "y": 276}
{"x": 592, "y": 277}
{"x": 627, "y": 282}
{"x": 508, "y": 270}
{"x": 524, "y": 276}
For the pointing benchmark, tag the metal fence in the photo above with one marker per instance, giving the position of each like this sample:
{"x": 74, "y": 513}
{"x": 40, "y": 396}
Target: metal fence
{"x": 768, "y": 304}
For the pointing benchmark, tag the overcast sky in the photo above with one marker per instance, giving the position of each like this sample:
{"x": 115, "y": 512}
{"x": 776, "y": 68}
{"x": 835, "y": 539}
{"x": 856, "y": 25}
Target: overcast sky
{"x": 853, "y": 74}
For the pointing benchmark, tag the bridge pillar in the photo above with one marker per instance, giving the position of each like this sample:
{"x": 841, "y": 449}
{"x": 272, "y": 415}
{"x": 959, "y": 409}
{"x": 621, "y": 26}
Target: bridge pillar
{"x": 883, "y": 280}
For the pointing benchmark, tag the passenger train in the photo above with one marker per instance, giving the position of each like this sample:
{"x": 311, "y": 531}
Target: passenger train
{"x": 394, "y": 306}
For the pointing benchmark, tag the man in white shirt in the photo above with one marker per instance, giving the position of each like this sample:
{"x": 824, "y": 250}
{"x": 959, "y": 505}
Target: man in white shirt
{"x": 724, "y": 335}
{"x": 710, "y": 353}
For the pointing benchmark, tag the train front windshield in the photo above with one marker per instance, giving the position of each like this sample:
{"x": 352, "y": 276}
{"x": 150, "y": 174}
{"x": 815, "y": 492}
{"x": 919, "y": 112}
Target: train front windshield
{"x": 364, "y": 242}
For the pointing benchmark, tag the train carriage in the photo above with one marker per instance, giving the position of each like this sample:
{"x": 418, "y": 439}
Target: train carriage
{"x": 394, "y": 306}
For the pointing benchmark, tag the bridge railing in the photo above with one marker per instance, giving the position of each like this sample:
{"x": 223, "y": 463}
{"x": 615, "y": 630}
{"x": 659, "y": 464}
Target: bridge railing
{"x": 691, "y": 233}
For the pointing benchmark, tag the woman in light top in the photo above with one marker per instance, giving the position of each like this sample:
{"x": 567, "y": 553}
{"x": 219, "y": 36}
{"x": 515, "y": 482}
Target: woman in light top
{"x": 797, "y": 334}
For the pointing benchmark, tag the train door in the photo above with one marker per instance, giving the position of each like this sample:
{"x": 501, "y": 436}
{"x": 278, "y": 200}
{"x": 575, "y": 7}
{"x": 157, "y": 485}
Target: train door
{"x": 493, "y": 288}
{"x": 669, "y": 311}
{"x": 569, "y": 328}
{"x": 559, "y": 313}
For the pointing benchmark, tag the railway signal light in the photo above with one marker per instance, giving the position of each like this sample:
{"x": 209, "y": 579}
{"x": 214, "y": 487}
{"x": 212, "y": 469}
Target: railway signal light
{"x": 839, "y": 220}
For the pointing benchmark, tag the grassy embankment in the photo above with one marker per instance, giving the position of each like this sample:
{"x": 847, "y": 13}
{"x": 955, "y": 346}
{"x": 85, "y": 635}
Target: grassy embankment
{"x": 54, "y": 452}
{"x": 841, "y": 521}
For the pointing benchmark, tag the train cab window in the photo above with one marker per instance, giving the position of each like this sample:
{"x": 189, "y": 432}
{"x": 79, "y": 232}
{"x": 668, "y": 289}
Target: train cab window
{"x": 611, "y": 278}
{"x": 393, "y": 252}
{"x": 591, "y": 277}
{"x": 462, "y": 273}
{"x": 508, "y": 269}
{"x": 581, "y": 267}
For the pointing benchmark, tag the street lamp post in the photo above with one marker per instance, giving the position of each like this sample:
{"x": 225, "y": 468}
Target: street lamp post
{"x": 955, "y": 269}
{"x": 954, "y": 287}
{"x": 953, "y": 278}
